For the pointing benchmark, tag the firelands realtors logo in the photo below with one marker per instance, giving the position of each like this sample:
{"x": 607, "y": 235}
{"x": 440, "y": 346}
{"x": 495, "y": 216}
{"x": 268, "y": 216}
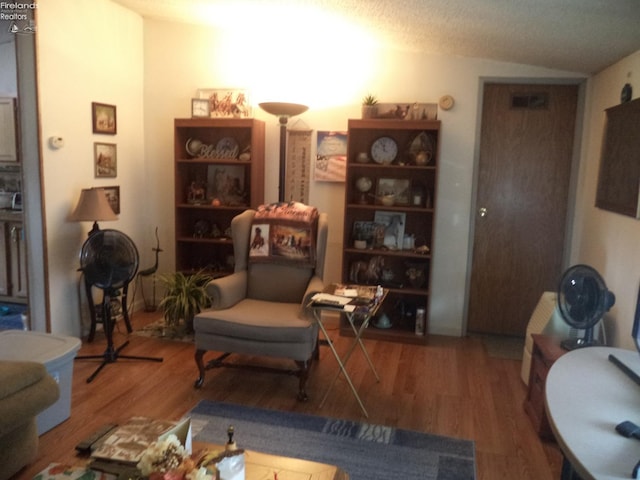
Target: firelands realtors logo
{"x": 18, "y": 16}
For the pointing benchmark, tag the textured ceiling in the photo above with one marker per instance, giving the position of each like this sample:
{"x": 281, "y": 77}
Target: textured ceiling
{"x": 574, "y": 35}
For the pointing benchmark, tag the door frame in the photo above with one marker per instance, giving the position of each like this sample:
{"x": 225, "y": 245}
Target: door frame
{"x": 32, "y": 188}
{"x": 567, "y": 254}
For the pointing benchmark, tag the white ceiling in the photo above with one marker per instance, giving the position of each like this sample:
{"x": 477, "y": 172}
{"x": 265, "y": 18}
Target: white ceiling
{"x": 575, "y": 35}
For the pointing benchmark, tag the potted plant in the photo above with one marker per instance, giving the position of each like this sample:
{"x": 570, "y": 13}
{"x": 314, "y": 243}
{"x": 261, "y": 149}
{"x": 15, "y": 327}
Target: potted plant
{"x": 185, "y": 296}
{"x": 369, "y": 106}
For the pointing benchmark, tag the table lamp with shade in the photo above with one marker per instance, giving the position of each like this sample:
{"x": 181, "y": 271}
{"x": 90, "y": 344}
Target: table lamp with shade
{"x": 283, "y": 111}
{"x": 93, "y": 206}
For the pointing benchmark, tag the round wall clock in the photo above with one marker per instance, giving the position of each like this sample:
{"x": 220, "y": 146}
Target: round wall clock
{"x": 384, "y": 150}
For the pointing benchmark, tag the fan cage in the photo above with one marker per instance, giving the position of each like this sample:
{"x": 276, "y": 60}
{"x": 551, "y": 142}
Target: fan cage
{"x": 109, "y": 259}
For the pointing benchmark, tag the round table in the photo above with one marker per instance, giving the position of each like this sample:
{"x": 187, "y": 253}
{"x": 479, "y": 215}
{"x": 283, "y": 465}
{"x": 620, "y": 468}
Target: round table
{"x": 586, "y": 396}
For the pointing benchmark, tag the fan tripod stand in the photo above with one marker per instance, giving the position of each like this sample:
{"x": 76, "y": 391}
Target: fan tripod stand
{"x": 111, "y": 354}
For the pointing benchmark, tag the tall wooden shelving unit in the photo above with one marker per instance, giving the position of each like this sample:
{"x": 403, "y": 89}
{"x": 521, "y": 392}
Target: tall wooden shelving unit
{"x": 219, "y": 152}
{"x": 416, "y": 203}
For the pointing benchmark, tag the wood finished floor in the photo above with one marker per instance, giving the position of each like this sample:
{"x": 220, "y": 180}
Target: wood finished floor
{"x": 449, "y": 387}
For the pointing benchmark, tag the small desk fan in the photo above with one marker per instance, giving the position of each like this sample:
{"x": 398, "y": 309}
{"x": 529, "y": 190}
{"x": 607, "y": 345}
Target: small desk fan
{"x": 109, "y": 260}
{"x": 583, "y": 299}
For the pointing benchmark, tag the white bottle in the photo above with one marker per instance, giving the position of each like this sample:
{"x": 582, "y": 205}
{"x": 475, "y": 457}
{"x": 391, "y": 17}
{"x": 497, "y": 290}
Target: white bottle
{"x": 420, "y": 321}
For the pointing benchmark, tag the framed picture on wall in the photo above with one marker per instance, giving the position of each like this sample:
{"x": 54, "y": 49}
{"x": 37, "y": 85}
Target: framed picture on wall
{"x": 104, "y": 118}
{"x": 105, "y": 160}
{"x": 113, "y": 197}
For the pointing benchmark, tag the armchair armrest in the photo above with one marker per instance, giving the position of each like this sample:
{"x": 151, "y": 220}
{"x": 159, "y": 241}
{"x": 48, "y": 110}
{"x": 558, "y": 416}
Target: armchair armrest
{"x": 316, "y": 285}
{"x": 227, "y": 291}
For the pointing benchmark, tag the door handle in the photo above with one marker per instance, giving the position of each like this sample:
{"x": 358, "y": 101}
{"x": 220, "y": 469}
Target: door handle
{"x": 482, "y": 211}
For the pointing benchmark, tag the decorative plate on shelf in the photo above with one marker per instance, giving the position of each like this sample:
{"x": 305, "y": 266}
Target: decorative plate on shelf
{"x": 227, "y": 147}
{"x": 384, "y": 150}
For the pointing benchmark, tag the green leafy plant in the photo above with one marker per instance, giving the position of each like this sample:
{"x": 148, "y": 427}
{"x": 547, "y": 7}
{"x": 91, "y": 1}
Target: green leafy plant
{"x": 185, "y": 297}
{"x": 369, "y": 100}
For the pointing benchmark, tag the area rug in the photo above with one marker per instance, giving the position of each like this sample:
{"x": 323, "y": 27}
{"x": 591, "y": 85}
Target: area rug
{"x": 364, "y": 451}
{"x": 157, "y": 329}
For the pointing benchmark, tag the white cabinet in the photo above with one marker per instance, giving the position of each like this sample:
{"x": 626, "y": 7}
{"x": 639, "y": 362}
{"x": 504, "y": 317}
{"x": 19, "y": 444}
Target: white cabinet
{"x": 8, "y": 149}
{"x": 5, "y": 279}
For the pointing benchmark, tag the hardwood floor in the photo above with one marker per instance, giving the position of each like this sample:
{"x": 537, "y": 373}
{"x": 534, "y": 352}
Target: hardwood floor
{"x": 449, "y": 387}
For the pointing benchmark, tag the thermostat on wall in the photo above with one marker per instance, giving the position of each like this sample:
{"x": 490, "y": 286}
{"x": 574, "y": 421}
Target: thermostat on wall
{"x": 56, "y": 142}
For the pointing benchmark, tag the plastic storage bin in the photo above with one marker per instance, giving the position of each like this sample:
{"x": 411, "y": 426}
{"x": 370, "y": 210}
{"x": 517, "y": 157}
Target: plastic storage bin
{"x": 56, "y": 352}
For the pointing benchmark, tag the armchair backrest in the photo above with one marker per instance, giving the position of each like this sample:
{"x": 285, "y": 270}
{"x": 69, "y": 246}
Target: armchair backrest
{"x": 275, "y": 281}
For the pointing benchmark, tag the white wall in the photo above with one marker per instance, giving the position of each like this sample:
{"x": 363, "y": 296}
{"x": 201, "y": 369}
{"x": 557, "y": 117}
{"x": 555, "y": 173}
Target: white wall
{"x": 180, "y": 58}
{"x": 607, "y": 241}
{"x": 87, "y": 52}
{"x": 150, "y": 70}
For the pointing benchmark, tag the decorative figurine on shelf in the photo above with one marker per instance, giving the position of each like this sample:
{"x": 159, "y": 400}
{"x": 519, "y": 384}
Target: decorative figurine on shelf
{"x": 367, "y": 273}
{"x": 415, "y": 274}
{"x": 201, "y": 229}
{"x": 196, "y": 194}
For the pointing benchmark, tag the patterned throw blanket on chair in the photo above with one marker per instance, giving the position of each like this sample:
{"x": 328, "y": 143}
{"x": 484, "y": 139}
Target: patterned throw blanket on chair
{"x": 284, "y": 233}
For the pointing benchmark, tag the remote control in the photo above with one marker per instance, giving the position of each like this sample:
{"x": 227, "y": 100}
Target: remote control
{"x": 85, "y": 445}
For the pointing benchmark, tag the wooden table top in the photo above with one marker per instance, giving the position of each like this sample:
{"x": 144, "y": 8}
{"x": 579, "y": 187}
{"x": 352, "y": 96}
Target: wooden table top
{"x": 263, "y": 466}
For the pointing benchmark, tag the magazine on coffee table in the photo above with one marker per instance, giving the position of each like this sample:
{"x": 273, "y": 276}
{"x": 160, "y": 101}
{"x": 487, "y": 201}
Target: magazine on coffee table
{"x": 127, "y": 443}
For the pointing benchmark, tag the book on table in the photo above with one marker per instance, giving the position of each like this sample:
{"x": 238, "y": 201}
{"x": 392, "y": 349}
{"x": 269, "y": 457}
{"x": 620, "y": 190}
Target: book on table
{"x": 127, "y": 443}
{"x": 347, "y": 298}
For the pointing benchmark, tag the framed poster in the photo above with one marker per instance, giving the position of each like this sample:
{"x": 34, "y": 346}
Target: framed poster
{"x": 331, "y": 157}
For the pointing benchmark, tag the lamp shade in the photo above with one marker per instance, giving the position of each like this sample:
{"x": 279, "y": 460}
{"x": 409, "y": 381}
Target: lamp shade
{"x": 93, "y": 206}
{"x": 283, "y": 109}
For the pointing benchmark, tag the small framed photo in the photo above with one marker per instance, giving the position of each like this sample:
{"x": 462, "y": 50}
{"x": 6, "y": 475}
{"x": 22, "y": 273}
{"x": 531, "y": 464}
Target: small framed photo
{"x": 371, "y": 233}
{"x": 394, "y": 223}
{"x": 104, "y": 118}
{"x": 399, "y": 189}
{"x": 113, "y": 197}
{"x": 105, "y": 159}
{"x": 226, "y": 102}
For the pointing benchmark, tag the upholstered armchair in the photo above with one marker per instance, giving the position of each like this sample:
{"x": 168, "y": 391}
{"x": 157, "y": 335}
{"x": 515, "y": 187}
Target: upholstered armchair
{"x": 260, "y": 309}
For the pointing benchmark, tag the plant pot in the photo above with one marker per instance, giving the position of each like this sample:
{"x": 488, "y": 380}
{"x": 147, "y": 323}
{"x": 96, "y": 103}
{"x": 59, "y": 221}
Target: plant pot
{"x": 369, "y": 111}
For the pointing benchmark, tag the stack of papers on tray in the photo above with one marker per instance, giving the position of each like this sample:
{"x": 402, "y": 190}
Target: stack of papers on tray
{"x": 335, "y": 301}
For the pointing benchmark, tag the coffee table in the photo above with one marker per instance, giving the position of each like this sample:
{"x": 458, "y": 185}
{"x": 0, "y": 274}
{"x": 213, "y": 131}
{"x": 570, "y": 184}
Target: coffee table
{"x": 263, "y": 466}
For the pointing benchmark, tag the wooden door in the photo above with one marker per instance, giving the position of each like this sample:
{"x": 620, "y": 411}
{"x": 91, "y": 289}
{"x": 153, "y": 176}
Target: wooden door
{"x": 524, "y": 173}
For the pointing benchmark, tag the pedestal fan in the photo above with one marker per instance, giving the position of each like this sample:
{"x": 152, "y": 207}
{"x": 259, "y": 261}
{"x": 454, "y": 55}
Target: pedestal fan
{"x": 109, "y": 261}
{"x": 583, "y": 299}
